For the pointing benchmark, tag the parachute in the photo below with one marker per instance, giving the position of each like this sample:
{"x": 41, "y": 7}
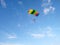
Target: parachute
{"x": 34, "y": 12}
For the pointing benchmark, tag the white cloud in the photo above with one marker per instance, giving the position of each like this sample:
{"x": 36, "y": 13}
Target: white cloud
{"x": 46, "y": 10}
{"x": 52, "y": 8}
{"x": 46, "y": 1}
{"x": 20, "y": 2}
{"x": 45, "y": 32}
{"x": 38, "y": 35}
{"x": 47, "y": 7}
{"x": 3, "y": 3}
{"x": 10, "y": 44}
{"x": 49, "y": 1}
{"x": 11, "y": 36}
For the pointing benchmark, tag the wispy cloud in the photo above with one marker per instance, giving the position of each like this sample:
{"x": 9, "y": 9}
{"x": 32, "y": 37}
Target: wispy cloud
{"x": 11, "y": 36}
{"x": 52, "y": 8}
{"x": 46, "y": 10}
{"x": 47, "y": 7}
{"x": 49, "y": 1}
{"x": 47, "y": 32}
{"x": 10, "y": 44}
{"x": 20, "y": 2}
{"x": 8, "y": 35}
{"x": 38, "y": 35}
{"x": 46, "y": 3}
{"x": 3, "y": 3}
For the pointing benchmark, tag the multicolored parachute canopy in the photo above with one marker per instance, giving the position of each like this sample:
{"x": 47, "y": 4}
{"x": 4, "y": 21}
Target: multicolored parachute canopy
{"x": 34, "y": 12}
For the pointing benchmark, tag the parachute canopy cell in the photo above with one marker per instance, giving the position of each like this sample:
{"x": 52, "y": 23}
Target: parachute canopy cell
{"x": 34, "y": 12}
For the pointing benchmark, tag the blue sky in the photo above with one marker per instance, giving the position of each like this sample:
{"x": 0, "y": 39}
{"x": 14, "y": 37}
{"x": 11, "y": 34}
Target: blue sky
{"x": 17, "y": 27}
